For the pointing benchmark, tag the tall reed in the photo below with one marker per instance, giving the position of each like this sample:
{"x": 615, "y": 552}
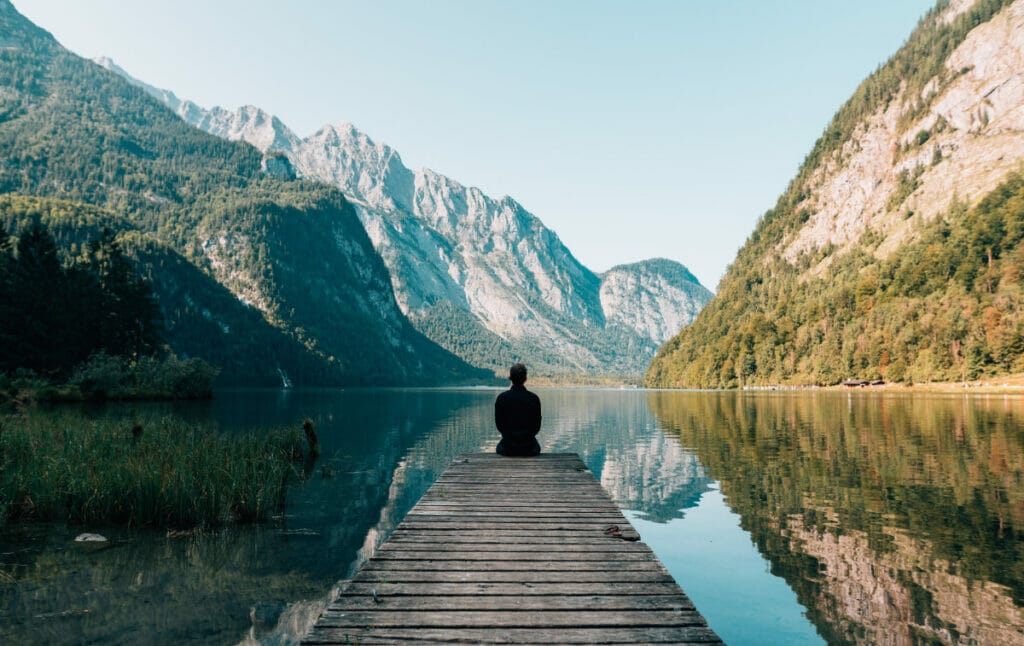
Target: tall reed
{"x": 162, "y": 472}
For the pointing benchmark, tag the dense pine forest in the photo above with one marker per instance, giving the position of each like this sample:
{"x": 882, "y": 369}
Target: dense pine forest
{"x": 78, "y": 313}
{"x": 54, "y": 315}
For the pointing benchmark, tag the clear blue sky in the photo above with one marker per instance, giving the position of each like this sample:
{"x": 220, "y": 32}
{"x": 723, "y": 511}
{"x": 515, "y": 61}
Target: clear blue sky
{"x": 633, "y": 129}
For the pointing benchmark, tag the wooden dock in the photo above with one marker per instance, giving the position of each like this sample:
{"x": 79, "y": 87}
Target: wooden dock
{"x": 513, "y": 551}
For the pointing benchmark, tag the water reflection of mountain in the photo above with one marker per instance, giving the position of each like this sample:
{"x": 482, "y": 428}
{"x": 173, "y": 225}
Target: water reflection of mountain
{"x": 897, "y": 520}
{"x": 616, "y": 433}
{"x": 655, "y": 477}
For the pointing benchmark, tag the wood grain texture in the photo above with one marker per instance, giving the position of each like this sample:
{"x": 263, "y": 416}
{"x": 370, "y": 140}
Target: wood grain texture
{"x": 513, "y": 551}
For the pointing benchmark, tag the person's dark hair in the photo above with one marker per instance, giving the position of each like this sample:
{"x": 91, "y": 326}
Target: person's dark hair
{"x": 517, "y": 374}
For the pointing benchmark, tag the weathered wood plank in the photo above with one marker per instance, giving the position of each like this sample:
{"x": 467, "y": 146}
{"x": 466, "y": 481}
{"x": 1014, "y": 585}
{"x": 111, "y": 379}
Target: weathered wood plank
{"x": 597, "y": 548}
{"x": 476, "y": 457}
{"x": 512, "y": 551}
{"x": 497, "y": 514}
{"x": 580, "y": 478}
{"x": 601, "y": 588}
{"x": 461, "y": 498}
{"x": 487, "y": 521}
{"x": 591, "y": 533}
{"x": 509, "y": 507}
{"x": 455, "y": 511}
{"x": 511, "y": 619}
{"x": 592, "y": 636}
{"x": 569, "y": 477}
{"x": 541, "y": 495}
{"x": 489, "y": 491}
{"x": 514, "y": 602}
{"x": 509, "y": 523}
{"x": 497, "y": 556}
{"x": 594, "y": 531}
{"x": 494, "y": 541}
{"x": 490, "y": 576}
{"x": 568, "y": 565}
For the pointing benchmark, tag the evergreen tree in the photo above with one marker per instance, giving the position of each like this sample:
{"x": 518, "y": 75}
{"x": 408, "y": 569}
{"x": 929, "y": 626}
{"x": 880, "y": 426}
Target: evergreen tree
{"x": 6, "y": 310}
{"x": 38, "y": 322}
{"x": 129, "y": 319}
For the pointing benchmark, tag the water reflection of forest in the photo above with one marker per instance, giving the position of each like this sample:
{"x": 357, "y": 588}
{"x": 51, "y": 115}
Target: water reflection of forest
{"x": 896, "y": 519}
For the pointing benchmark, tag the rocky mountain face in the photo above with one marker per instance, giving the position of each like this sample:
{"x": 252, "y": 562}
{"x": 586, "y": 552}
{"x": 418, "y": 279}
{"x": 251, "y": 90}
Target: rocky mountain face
{"x": 271, "y": 278}
{"x": 895, "y": 252}
{"x": 960, "y": 135}
{"x": 655, "y": 297}
{"x": 483, "y": 277}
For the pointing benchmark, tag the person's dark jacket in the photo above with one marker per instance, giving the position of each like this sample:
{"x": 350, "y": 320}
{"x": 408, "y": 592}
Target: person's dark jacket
{"x": 517, "y": 416}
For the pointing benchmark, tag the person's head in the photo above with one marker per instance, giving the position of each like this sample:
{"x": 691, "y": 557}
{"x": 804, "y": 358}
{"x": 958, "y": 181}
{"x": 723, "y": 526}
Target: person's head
{"x": 517, "y": 374}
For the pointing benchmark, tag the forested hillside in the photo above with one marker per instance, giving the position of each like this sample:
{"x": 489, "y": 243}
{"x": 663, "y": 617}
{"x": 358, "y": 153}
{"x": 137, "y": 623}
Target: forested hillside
{"x": 482, "y": 277}
{"x": 896, "y": 251}
{"x": 187, "y": 298}
{"x": 259, "y": 275}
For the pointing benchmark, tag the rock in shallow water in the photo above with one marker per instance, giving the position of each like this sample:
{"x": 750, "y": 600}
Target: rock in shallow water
{"x": 90, "y": 538}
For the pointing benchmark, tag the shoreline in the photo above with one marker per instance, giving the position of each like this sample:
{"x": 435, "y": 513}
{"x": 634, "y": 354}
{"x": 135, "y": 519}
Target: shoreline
{"x": 1006, "y": 385}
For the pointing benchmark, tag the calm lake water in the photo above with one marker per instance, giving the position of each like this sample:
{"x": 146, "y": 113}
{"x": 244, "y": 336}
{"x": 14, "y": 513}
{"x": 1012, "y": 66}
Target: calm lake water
{"x": 788, "y": 518}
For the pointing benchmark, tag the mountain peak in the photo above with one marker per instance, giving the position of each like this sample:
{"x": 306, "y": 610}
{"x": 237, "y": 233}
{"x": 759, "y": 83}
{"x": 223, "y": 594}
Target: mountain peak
{"x": 104, "y": 61}
{"x": 165, "y": 96}
{"x": 661, "y": 265}
{"x": 345, "y": 131}
{"x": 486, "y": 268}
{"x": 657, "y": 297}
{"x": 347, "y": 128}
{"x": 248, "y": 123}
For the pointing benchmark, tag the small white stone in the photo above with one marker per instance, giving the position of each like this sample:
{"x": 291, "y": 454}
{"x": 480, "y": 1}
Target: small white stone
{"x": 90, "y": 538}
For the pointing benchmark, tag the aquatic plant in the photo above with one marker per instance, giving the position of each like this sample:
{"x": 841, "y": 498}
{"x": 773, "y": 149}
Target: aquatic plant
{"x": 161, "y": 471}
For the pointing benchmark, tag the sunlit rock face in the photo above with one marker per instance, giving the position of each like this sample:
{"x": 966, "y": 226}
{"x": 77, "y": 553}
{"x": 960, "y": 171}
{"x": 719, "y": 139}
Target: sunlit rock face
{"x": 656, "y": 298}
{"x": 974, "y": 125}
{"x": 494, "y": 262}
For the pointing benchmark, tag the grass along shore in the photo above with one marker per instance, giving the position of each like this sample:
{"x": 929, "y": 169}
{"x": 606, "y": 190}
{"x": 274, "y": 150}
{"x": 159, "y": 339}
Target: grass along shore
{"x": 157, "y": 471}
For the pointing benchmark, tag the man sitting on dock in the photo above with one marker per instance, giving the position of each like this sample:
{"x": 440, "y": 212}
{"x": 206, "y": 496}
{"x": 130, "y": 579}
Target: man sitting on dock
{"x": 517, "y": 416}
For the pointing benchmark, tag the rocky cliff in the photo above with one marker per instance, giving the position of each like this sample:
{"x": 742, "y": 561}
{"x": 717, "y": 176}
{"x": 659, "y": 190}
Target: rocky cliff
{"x": 481, "y": 276}
{"x": 656, "y": 297}
{"x": 895, "y": 253}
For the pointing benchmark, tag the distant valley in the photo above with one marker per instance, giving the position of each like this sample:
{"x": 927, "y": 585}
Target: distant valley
{"x": 482, "y": 277}
{"x": 262, "y": 266}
